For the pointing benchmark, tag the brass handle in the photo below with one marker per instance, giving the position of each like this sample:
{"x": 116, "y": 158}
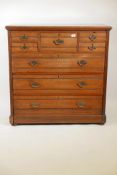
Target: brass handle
{"x": 23, "y": 37}
{"x": 81, "y": 104}
{"x": 35, "y": 105}
{"x": 92, "y": 47}
{"x": 34, "y": 84}
{"x": 33, "y": 63}
{"x": 58, "y": 41}
{"x": 82, "y": 62}
{"x": 81, "y": 84}
{"x": 24, "y": 47}
{"x": 92, "y": 37}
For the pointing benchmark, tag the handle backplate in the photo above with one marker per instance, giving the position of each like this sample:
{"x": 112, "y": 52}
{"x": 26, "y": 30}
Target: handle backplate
{"x": 92, "y": 37}
{"x": 33, "y": 63}
{"x": 24, "y": 47}
{"x": 23, "y": 37}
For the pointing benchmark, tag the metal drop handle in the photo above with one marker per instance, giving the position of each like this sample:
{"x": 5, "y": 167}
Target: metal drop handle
{"x": 35, "y": 105}
{"x": 34, "y": 84}
{"x": 82, "y": 62}
{"x": 92, "y": 47}
{"x": 58, "y": 42}
{"x": 81, "y": 84}
{"x": 81, "y": 104}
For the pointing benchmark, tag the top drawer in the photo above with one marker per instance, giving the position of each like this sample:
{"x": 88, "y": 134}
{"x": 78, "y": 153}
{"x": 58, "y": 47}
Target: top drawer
{"x": 58, "y": 41}
{"x": 92, "y": 36}
{"x": 24, "y": 36}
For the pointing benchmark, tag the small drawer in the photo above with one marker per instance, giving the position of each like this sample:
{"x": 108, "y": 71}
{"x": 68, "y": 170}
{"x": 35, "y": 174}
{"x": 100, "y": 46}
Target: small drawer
{"x": 92, "y": 36}
{"x": 24, "y": 47}
{"x": 53, "y": 43}
{"x": 92, "y": 47}
{"x": 24, "y": 36}
{"x": 63, "y": 41}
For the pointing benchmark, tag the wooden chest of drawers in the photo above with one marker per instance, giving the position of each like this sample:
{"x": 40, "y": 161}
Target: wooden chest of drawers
{"x": 58, "y": 74}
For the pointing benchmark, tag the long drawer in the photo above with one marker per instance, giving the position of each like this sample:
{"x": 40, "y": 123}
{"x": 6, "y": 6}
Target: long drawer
{"x": 82, "y": 103}
{"x": 60, "y": 109}
{"x": 59, "y": 65}
{"x": 57, "y": 109}
{"x": 76, "y": 82}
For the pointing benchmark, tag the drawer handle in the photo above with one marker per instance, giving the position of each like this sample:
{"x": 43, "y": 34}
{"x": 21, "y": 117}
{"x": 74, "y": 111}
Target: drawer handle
{"x": 81, "y": 84}
{"x": 23, "y": 37}
{"x": 92, "y": 37}
{"x": 33, "y": 63}
{"x": 24, "y": 47}
{"x": 58, "y": 41}
{"x": 92, "y": 47}
{"x": 81, "y": 104}
{"x": 82, "y": 62}
{"x": 35, "y": 105}
{"x": 34, "y": 84}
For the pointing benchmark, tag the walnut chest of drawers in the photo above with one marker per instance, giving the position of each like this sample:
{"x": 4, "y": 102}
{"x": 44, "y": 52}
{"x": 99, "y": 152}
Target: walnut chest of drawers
{"x": 58, "y": 74}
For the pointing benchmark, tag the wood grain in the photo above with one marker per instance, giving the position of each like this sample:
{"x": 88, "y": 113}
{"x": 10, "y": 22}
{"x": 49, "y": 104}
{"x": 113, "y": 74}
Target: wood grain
{"x": 48, "y": 65}
{"x": 81, "y": 103}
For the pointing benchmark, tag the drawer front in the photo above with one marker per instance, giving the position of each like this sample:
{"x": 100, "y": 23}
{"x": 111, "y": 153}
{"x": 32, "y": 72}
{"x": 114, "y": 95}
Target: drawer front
{"x": 92, "y": 36}
{"x": 66, "y": 44}
{"x": 81, "y": 103}
{"x": 59, "y": 41}
{"x": 24, "y": 47}
{"x": 81, "y": 83}
{"x": 24, "y": 36}
{"x": 92, "y": 47}
{"x": 51, "y": 65}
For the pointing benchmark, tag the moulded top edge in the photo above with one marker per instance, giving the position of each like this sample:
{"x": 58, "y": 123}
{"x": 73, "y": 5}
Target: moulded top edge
{"x": 52, "y": 28}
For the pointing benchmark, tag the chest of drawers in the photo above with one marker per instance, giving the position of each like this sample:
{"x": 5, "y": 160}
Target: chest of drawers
{"x": 58, "y": 74}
